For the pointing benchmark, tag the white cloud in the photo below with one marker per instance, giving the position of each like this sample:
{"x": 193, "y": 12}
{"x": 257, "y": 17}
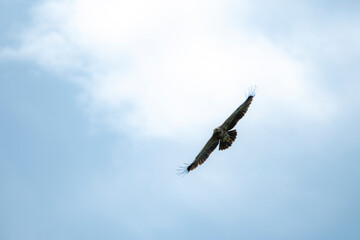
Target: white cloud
{"x": 159, "y": 67}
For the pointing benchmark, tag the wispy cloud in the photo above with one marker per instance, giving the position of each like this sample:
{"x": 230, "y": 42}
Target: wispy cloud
{"x": 158, "y": 67}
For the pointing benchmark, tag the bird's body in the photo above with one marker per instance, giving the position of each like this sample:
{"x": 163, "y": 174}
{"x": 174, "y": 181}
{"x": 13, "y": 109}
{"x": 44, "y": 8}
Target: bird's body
{"x": 223, "y": 135}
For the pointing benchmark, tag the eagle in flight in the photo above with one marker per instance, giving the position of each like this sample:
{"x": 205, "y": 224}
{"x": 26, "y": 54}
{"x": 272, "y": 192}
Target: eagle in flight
{"x": 223, "y": 135}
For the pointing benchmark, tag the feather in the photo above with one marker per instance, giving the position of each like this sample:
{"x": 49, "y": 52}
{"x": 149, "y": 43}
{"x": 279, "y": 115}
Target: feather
{"x": 204, "y": 154}
{"x": 239, "y": 112}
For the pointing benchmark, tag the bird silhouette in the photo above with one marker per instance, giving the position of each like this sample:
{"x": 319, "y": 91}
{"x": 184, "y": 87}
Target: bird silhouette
{"x": 223, "y": 135}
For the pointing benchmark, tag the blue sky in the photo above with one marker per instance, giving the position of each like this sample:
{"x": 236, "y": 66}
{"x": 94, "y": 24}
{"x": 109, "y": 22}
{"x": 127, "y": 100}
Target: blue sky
{"x": 101, "y": 101}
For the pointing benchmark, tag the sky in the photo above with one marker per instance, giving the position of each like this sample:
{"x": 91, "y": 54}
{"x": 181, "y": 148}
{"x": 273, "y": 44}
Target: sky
{"x": 102, "y": 101}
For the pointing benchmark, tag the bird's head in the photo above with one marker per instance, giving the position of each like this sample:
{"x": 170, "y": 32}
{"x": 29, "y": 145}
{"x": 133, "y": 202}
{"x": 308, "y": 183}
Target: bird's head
{"x": 217, "y": 130}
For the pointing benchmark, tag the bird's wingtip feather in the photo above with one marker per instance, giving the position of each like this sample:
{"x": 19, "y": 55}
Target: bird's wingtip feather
{"x": 182, "y": 170}
{"x": 252, "y": 91}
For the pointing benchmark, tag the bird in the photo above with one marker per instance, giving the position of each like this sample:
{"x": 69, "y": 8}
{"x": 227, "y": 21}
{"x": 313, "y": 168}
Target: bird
{"x": 224, "y": 135}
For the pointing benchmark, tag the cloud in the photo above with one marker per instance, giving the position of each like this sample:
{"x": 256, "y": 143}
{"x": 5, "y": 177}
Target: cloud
{"x": 157, "y": 68}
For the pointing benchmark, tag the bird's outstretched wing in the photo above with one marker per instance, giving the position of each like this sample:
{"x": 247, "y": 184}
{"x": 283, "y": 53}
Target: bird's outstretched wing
{"x": 239, "y": 112}
{"x": 203, "y": 155}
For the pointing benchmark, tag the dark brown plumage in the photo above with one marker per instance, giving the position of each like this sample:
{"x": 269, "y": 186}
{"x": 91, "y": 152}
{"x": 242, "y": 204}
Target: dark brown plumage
{"x": 222, "y": 135}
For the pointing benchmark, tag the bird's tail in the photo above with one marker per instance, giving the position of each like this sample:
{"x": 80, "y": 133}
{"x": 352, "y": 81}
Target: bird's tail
{"x": 232, "y": 134}
{"x": 225, "y": 144}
